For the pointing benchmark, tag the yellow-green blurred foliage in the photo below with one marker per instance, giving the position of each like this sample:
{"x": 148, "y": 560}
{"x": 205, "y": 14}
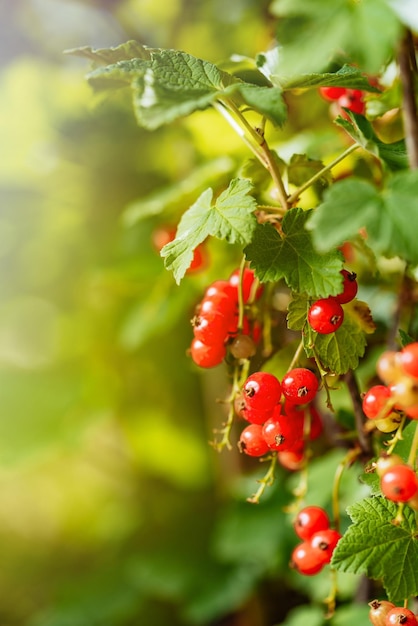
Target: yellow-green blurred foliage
{"x": 107, "y": 483}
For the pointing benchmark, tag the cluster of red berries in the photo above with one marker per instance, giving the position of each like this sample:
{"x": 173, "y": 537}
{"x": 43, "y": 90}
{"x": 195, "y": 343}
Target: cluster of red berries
{"x": 326, "y": 315}
{"x": 385, "y": 613}
{"x": 275, "y": 426}
{"x": 318, "y": 541}
{"x": 386, "y": 403}
{"x": 164, "y": 234}
{"x": 351, "y": 99}
{"x": 216, "y": 320}
{"x": 398, "y": 481}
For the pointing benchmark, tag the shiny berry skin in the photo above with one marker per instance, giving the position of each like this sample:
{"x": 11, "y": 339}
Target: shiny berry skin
{"x": 255, "y": 416}
{"x": 378, "y": 611}
{"x": 305, "y": 559}
{"x": 210, "y": 328}
{"x": 325, "y": 316}
{"x": 408, "y": 359}
{"x": 401, "y": 616}
{"x": 350, "y": 287}
{"x": 386, "y": 461}
{"x": 242, "y": 347}
{"x": 262, "y": 391}
{"x": 310, "y": 520}
{"x": 279, "y": 433}
{"x": 293, "y": 460}
{"x": 399, "y": 483}
{"x": 353, "y": 101}
{"x": 300, "y": 385}
{"x": 252, "y": 442}
{"x": 325, "y": 541}
{"x": 332, "y": 93}
{"x": 207, "y": 355}
{"x": 248, "y": 280}
{"x": 221, "y": 287}
{"x": 375, "y": 400}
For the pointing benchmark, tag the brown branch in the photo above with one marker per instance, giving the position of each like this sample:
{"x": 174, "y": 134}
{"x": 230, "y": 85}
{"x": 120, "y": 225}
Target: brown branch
{"x": 410, "y": 108}
{"x": 359, "y": 418}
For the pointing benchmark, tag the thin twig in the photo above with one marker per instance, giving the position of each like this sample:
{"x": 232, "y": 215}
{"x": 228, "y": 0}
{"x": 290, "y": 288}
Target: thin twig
{"x": 410, "y": 108}
{"x": 359, "y": 418}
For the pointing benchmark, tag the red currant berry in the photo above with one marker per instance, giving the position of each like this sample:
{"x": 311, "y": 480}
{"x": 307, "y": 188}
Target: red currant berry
{"x": 262, "y": 391}
{"x": 210, "y": 328}
{"x": 325, "y": 541}
{"x": 300, "y": 385}
{"x": 332, "y": 93}
{"x": 248, "y": 280}
{"x": 408, "y": 359}
{"x": 375, "y": 400}
{"x": 256, "y": 416}
{"x": 207, "y": 355}
{"x": 399, "y": 483}
{"x": 350, "y": 287}
{"x": 305, "y": 560}
{"x": 279, "y": 433}
{"x": 252, "y": 441}
{"x": 401, "y": 616}
{"x": 163, "y": 235}
{"x": 353, "y": 101}
{"x": 326, "y": 315}
{"x": 292, "y": 460}
{"x": 310, "y": 520}
{"x": 378, "y": 611}
{"x": 221, "y": 287}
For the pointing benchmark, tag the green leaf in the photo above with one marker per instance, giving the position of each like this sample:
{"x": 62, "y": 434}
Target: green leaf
{"x": 166, "y": 84}
{"x": 291, "y": 256}
{"x": 389, "y": 216}
{"x": 347, "y": 76}
{"x": 231, "y": 217}
{"x": 266, "y": 100}
{"x": 107, "y": 56}
{"x": 374, "y": 546}
{"x": 312, "y": 33}
{"x": 339, "y": 351}
{"x": 359, "y": 128}
{"x": 301, "y": 168}
{"x": 297, "y": 311}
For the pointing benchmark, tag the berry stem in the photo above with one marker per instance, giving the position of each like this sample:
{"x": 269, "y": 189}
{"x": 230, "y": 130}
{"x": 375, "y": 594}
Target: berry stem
{"x": 396, "y": 437}
{"x": 412, "y": 458}
{"x": 330, "y": 600}
{"x": 258, "y": 144}
{"x": 296, "y": 356}
{"x": 239, "y": 375}
{"x": 267, "y": 480}
{"x": 295, "y": 195}
{"x": 241, "y": 295}
{"x": 349, "y": 458}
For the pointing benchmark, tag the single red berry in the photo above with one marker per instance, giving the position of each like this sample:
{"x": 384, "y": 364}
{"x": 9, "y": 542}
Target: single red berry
{"x": 326, "y": 315}
{"x": 279, "y": 432}
{"x": 292, "y": 460}
{"x": 262, "y": 391}
{"x": 300, "y": 385}
{"x": 399, "y": 483}
{"x": 221, "y": 287}
{"x": 210, "y": 328}
{"x": 310, "y": 520}
{"x": 332, "y": 93}
{"x": 307, "y": 417}
{"x": 248, "y": 280}
{"x": 378, "y": 611}
{"x": 256, "y": 416}
{"x": 305, "y": 560}
{"x": 325, "y": 542}
{"x": 350, "y": 287}
{"x": 252, "y": 441}
{"x": 207, "y": 355}
{"x": 375, "y": 400}
{"x": 401, "y": 616}
{"x": 408, "y": 359}
{"x": 353, "y": 101}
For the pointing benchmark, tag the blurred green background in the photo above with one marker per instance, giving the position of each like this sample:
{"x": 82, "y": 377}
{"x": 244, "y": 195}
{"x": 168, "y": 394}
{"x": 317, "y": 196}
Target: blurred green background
{"x": 114, "y": 510}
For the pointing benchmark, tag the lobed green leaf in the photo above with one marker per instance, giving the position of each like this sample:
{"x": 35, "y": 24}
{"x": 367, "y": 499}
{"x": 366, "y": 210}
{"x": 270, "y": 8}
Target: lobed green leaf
{"x": 231, "y": 217}
{"x": 291, "y": 256}
{"x": 374, "y": 546}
